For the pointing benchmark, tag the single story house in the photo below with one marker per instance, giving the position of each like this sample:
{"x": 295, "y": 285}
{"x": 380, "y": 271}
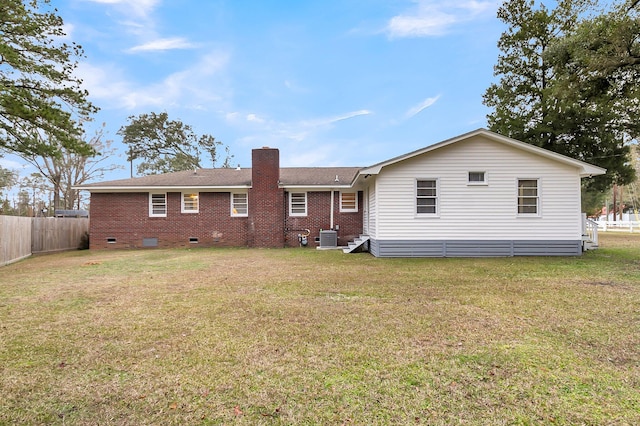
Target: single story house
{"x": 478, "y": 194}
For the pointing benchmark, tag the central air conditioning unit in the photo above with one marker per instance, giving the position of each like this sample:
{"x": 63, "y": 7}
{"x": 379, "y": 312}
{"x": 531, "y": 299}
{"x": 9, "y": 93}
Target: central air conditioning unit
{"x": 328, "y": 239}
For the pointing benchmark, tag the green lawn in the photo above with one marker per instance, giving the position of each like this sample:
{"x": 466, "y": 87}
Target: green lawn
{"x": 299, "y": 336}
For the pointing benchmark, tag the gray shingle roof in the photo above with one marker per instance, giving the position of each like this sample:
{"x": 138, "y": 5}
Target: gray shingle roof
{"x": 221, "y": 178}
{"x": 321, "y": 176}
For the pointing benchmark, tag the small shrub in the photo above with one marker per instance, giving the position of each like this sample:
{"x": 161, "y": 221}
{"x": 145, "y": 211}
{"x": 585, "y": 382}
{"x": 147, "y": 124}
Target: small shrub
{"x": 84, "y": 242}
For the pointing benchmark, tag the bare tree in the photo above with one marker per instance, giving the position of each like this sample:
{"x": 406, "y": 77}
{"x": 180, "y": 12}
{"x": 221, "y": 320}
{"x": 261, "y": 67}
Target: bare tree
{"x": 166, "y": 145}
{"x": 8, "y": 178}
{"x": 37, "y": 200}
{"x": 69, "y": 169}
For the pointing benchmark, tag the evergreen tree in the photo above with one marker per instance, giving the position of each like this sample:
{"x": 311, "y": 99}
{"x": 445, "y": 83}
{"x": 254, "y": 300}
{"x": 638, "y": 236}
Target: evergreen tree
{"x": 38, "y": 91}
{"x": 541, "y": 97}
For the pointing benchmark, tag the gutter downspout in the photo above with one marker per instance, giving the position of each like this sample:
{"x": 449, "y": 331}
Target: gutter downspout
{"x": 332, "y": 208}
{"x": 285, "y": 212}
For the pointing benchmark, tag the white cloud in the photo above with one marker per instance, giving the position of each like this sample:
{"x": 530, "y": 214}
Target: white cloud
{"x": 302, "y": 130}
{"x": 7, "y": 163}
{"x": 67, "y": 28}
{"x": 297, "y": 130}
{"x": 139, "y": 8}
{"x": 231, "y": 116}
{"x": 479, "y": 7}
{"x": 143, "y": 29}
{"x": 434, "y": 18}
{"x": 137, "y": 17}
{"x": 310, "y": 155}
{"x": 104, "y": 82}
{"x": 330, "y": 120}
{"x": 421, "y": 106}
{"x": 254, "y": 118}
{"x": 163, "y": 44}
{"x": 301, "y": 142}
{"x": 295, "y": 87}
{"x": 192, "y": 87}
{"x": 349, "y": 115}
{"x": 420, "y": 26}
{"x": 308, "y": 152}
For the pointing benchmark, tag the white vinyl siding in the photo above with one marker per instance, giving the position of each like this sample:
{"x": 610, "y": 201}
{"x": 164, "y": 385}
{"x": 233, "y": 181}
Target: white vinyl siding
{"x": 298, "y": 204}
{"x": 348, "y": 202}
{"x": 239, "y": 204}
{"x": 469, "y": 212}
{"x": 158, "y": 204}
{"x": 190, "y": 202}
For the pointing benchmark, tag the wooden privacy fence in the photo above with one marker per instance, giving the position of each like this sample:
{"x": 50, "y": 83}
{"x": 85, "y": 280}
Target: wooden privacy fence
{"x": 54, "y": 234}
{"x": 15, "y": 238}
{"x": 22, "y": 236}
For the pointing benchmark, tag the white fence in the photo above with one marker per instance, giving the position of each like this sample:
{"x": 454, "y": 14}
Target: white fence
{"x": 22, "y": 236}
{"x": 618, "y": 225}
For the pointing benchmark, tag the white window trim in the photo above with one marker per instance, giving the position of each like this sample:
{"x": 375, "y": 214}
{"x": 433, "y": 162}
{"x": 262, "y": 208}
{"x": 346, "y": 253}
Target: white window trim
{"x": 485, "y": 182}
{"x": 538, "y": 198}
{"x": 415, "y": 198}
{"x": 234, "y": 212}
{"x": 151, "y": 214}
{"x": 182, "y": 205}
{"x": 344, "y": 210}
{"x": 306, "y": 204}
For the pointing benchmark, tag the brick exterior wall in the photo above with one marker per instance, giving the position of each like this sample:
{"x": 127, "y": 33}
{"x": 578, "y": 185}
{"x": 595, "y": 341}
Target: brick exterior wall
{"x": 124, "y": 217}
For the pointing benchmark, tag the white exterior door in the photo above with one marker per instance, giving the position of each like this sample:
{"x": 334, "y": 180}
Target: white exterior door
{"x": 365, "y": 213}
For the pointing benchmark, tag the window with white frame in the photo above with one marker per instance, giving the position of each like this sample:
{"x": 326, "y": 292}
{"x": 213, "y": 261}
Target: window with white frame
{"x": 298, "y": 204}
{"x": 427, "y": 196}
{"x": 477, "y": 178}
{"x": 190, "y": 202}
{"x": 528, "y": 197}
{"x": 348, "y": 201}
{"x": 158, "y": 204}
{"x": 239, "y": 204}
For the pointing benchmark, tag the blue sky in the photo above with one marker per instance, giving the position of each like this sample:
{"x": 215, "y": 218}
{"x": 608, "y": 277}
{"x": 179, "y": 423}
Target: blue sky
{"x": 329, "y": 83}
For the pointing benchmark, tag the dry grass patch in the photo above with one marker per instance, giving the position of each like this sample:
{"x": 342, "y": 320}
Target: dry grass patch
{"x": 235, "y": 336}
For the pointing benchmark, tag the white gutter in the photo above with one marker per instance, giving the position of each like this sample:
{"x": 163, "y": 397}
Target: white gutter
{"x": 314, "y": 187}
{"x": 156, "y": 188}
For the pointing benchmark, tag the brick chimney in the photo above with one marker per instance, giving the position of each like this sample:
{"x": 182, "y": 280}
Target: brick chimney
{"x": 266, "y": 200}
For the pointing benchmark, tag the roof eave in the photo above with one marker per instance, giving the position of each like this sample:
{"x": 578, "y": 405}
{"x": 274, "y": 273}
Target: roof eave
{"x": 586, "y": 169}
{"x": 147, "y": 188}
{"x": 591, "y": 170}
